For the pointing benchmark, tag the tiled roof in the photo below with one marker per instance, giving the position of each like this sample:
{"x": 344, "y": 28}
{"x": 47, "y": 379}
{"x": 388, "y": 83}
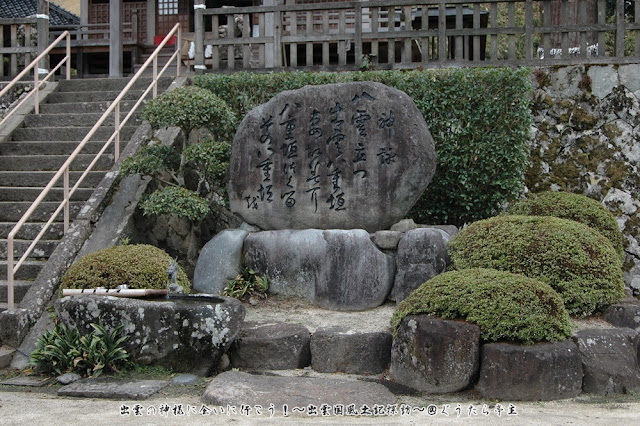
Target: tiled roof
{"x": 25, "y": 8}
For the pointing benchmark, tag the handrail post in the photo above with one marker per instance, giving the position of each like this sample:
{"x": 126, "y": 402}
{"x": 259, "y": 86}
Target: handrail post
{"x": 36, "y": 106}
{"x": 66, "y": 198}
{"x": 155, "y": 76}
{"x": 117, "y": 124}
{"x": 178, "y": 49}
{"x": 10, "y": 271}
{"x": 199, "y": 36}
{"x": 68, "y": 73}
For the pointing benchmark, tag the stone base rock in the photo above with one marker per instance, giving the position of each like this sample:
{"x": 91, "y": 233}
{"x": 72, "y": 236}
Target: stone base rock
{"x": 422, "y": 254}
{"x": 271, "y": 346}
{"x": 625, "y": 314}
{"x": 544, "y": 371}
{"x": 338, "y": 349}
{"x": 187, "y": 335}
{"x": 610, "y": 360}
{"x": 434, "y": 355}
{"x": 236, "y": 388}
{"x": 219, "y": 261}
{"x": 334, "y": 269}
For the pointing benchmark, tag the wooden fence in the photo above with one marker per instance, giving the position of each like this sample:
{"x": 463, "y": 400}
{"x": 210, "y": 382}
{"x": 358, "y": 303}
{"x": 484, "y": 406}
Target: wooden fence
{"x": 17, "y": 47}
{"x": 410, "y": 34}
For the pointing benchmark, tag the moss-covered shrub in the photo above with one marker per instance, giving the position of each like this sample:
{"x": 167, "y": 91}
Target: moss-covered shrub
{"x": 505, "y": 306}
{"x": 138, "y": 266}
{"x": 479, "y": 119}
{"x": 574, "y": 259}
{"x": 576, "y": 207}
{"x": 191, "y": 107}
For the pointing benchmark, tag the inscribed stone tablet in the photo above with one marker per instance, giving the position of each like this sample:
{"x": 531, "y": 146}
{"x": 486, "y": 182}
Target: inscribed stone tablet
{"x": 338, "y": 156}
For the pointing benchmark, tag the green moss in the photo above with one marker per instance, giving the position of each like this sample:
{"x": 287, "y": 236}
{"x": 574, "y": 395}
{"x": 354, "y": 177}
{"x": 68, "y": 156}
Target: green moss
{"x": 505, "y": 306}
{"x": 574, "y": 259}
{"x": 582, "y": 120}
{"x": 137, "y": 266}
{"x": 576, "y": 207}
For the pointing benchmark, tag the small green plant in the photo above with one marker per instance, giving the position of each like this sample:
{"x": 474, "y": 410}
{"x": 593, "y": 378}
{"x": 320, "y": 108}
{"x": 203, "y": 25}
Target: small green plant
{"x": 505, "y": 306}
{"x": 63, "y": 350}
{"x": 247, "y": 284}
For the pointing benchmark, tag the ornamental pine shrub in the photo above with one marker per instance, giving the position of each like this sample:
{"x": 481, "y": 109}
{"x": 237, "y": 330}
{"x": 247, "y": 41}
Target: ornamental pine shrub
{"x": 139, "y": 266}
{"x": 479, "y": 119}
{"x": 505, "y": 306}
{"x": 567, "y": 205}
{"x": 574, "y": 259}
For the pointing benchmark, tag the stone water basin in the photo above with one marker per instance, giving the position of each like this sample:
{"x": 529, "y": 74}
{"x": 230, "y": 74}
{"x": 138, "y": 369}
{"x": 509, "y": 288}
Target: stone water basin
{"x": 187, "y": 333}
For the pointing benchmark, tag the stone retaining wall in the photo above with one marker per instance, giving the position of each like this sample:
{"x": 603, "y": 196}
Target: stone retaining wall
{"x": 585, "y": 139}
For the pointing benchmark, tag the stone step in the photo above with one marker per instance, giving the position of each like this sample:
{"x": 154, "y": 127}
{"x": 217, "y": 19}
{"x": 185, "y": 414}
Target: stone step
{"x": 74, "y": 120}
{"x": 108, "y": 84}
{"x": 68, "y": 134}
{"x": 28, "y": 270}
{"x": 42, "y": 250}
{"x": 30, "y": 194}
{"x": 29, "y": 231}
{"x": 41, "y": 179}
{"x": 20, "y": 288}
{"x": 50, "y": 147}
{"x": 13, "y": 210}
{"x": 54, "y": 162}
{"x": 98, "y": 107}
{"x": 69, "y": 97}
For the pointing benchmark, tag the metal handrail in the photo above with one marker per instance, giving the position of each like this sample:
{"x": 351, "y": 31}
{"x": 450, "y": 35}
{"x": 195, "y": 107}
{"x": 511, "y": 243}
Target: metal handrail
{"x": 64, "y": 169}
{"x": 36, "y": 84}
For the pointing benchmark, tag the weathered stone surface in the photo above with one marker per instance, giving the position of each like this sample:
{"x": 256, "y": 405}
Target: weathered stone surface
{"x": 113, "y": 388}
{"x": 404, "y": 225}
{"x": 5, "y": 356}
{"x": 271, "y": 346}
{"x": 422, "y": 254}
{"x": 630, "y": 76}
{"x": 625, "y": 314}
{"x": 34, "y": 381}
{"x": 609, "y": 359}
{"x": 185, "y": 379}
{"x": 387, "y": 240}
{"x": 434, "y": 355}
{"x": 339, "y": 349}
{"x": 340, "y": 156}
{"x": 603, "y": 79}
{"x": 334, "y": 269}
{"x": 68, "y": 378}
{"x": 544, "y": 371}
{"x": 237, "y": 388}
{"x": 187, "y": 335}
{"x": 219, "y": 261}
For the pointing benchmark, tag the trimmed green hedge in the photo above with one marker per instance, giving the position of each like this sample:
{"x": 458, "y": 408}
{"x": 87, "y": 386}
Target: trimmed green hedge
{"x": 574, "y": 259}
{"x": 505, "y": 306}
{"x": 479, "y": 120}
{"x": 139, "y": 266}
{"x": 567, "y": 205}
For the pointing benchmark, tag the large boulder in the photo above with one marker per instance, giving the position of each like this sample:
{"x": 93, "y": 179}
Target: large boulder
{"x": 334, "y": 269}
{"x": 544, "y": 371}
{"x": 422, "y": 254}
{"x": 434, "y": 355}
{"x": 219, "y": 261}
{"x": 339, "y": 156}
{"x": 610, "y": 360}
{"x": 186, "y": 335}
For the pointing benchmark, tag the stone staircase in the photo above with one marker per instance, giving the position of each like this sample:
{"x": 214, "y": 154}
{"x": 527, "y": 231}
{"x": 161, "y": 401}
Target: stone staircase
{"x": 36, "y": 151}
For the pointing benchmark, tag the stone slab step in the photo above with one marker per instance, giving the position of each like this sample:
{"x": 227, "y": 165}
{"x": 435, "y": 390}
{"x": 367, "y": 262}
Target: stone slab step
{"x": 30, "y": 230}
{"x": 29, "y": 269}
{"x": 20, "y": 288}
{"x": 42, "y": 250}
{"x": 54, "y": 162}
{"x": 113, "y": 388}
{"x": 68, "y": 97}
{"x": 108, "y": 84}
{"x": 237, "y": 388}
{"x": 41, "y": 179}
{"x": 10, "y": 193}
{"x": 73, "y": 120}
{"x": 68, "y": 134}
{"x": 50, "y": 147}
{"x": 98, "y": 107}
{"x": 13, "y": 210}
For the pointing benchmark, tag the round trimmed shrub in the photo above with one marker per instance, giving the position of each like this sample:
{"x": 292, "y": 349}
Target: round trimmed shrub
{"x": 567, "y": 205}
{"x": 505, "y": 306}
{"x": 574, "y": 259}
{"x": 139, "y": 266}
